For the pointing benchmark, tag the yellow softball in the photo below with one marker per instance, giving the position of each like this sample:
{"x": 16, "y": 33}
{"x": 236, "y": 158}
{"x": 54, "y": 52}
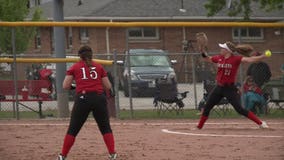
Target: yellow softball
{"x": 267, "y": 53}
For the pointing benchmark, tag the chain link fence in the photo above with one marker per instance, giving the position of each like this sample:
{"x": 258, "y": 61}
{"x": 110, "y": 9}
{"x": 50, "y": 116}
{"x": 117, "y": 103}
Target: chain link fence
{"x": 189, "y": 69}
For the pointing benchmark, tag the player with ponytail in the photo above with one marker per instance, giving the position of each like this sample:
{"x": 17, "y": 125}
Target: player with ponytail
{"x": 91, "y": 84}
{"x": 228, "y": 64}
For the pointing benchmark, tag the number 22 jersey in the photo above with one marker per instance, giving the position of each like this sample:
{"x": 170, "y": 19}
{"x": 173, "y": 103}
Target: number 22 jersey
{"x": 227, "y": 68}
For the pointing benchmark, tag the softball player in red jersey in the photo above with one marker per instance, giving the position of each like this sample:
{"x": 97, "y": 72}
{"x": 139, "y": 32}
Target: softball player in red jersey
{"x": 228, "y": 64}
{"x": 91, "y": 82}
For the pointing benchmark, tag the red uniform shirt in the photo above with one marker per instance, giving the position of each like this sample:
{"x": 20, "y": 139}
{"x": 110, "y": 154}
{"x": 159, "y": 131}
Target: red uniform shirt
{"x": 227, "y": 68}
{"x": 88, "y": 79}
{"x": 254, "y": 88}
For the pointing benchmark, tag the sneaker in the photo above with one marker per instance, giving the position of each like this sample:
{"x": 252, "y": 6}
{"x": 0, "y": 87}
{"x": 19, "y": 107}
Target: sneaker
{"x": 112, "y": 156}
{"x": 194, "y": 128}
{"x": 60, "y": 157}
{"x": 263, "y": 125}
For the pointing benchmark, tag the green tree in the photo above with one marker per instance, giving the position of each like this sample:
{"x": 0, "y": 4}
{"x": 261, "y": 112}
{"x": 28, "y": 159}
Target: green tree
{"x": 237, "y": 7}
{"x": 16, "y": 10}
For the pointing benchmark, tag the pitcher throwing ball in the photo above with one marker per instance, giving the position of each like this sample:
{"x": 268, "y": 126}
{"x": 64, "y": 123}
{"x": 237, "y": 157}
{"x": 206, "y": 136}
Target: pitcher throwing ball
{"x": 91, "y": 82}
{"x": 228, "y": 64}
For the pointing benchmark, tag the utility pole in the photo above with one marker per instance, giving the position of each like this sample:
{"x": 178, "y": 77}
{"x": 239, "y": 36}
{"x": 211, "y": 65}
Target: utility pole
{"x": 59, "y": 49}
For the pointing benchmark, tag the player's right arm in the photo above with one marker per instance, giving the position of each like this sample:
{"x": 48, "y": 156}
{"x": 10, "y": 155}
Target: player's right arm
{"x": 67, "y": 81}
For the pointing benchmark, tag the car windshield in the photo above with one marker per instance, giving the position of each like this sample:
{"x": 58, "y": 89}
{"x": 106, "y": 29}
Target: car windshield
{"x": 137, "y": 61}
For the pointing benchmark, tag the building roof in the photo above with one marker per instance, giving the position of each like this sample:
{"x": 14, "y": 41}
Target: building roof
{"x": 150, "y": 10}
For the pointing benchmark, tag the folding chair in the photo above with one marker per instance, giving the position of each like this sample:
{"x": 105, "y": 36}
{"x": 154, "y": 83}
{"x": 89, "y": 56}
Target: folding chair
{"x": 260, "y": 108}
{"x": 223, "y": 106}
{"x": 275, "y": 94}
{"x": 167, "y": 97}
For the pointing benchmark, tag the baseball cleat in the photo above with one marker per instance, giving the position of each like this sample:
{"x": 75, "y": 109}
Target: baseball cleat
{"x": 194, "y": 128}
{"x": 112, "y": 156}
{"x": 60, "y": 157}
{"x": 263, "y": 125}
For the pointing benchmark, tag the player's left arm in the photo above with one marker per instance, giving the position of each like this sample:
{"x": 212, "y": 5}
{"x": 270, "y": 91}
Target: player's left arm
{"x": 108, "y": 87}
{"x": 106, "y": 83}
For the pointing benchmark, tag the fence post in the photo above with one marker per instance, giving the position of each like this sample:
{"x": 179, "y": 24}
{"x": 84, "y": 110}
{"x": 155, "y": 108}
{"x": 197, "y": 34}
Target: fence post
{"x": 241, "y": 69}
{"x": 116, "y": 83}
{"x": 59, "y": 48}
{"x": 129, "y": 73}
{"x": 15, "y": 72}
{"x": 194, "y": 80}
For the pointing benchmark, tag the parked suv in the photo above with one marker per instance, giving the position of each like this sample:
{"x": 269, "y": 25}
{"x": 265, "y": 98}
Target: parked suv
{"x": 146, "y": 65}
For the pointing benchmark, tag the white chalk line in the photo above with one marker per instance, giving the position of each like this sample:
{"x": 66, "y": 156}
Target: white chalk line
{"x": 219, "y": 135}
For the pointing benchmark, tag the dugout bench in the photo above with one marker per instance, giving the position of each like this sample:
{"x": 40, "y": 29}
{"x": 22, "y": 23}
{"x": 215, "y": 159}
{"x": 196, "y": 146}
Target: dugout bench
{"x": 28, "y": 91}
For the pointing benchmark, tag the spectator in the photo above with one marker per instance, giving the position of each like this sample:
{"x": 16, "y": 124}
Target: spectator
{"x": 253, "y": 96}
{"x": 259, "y": 71}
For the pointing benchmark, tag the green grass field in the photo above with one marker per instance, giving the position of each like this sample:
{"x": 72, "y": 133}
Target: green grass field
{"x": 147, "y": 114}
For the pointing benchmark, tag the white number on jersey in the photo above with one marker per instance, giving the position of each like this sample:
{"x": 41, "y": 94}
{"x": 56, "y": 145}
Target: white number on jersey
{"x": 227, "y": 72}
{"x": 93, "y": 74}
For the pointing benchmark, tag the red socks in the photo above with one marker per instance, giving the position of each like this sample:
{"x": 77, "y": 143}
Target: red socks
{"x": 202, "y": 121}
{"x": 254, "y": 118}
{"x": 109, "y": 141}
{"x": 68, "y": 143}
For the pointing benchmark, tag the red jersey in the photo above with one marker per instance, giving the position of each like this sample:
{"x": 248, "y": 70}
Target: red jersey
{"x": 227, "y": 68}
{"x": 88, "y": 79}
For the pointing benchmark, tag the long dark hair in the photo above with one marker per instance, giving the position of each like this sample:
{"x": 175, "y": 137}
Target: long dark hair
{"x": 244, "y": 49}
{"x": 86, "y": 54}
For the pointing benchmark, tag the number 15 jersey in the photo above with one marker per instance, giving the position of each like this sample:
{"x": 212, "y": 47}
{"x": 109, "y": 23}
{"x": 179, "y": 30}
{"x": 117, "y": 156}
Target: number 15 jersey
{"x": 88, "y": 79}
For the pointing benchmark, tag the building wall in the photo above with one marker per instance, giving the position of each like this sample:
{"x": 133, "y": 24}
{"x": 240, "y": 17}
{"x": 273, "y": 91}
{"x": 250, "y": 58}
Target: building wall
{"x": 170, "y": 40}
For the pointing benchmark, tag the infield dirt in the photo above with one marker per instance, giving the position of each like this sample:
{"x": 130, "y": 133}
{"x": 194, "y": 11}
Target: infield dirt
{"x": 220, "y": 139}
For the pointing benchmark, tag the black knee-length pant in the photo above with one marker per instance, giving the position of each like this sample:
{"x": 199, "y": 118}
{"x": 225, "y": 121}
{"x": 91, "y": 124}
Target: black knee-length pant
{"x": 232, "y": 95}
{"x": 83, "y": 105}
